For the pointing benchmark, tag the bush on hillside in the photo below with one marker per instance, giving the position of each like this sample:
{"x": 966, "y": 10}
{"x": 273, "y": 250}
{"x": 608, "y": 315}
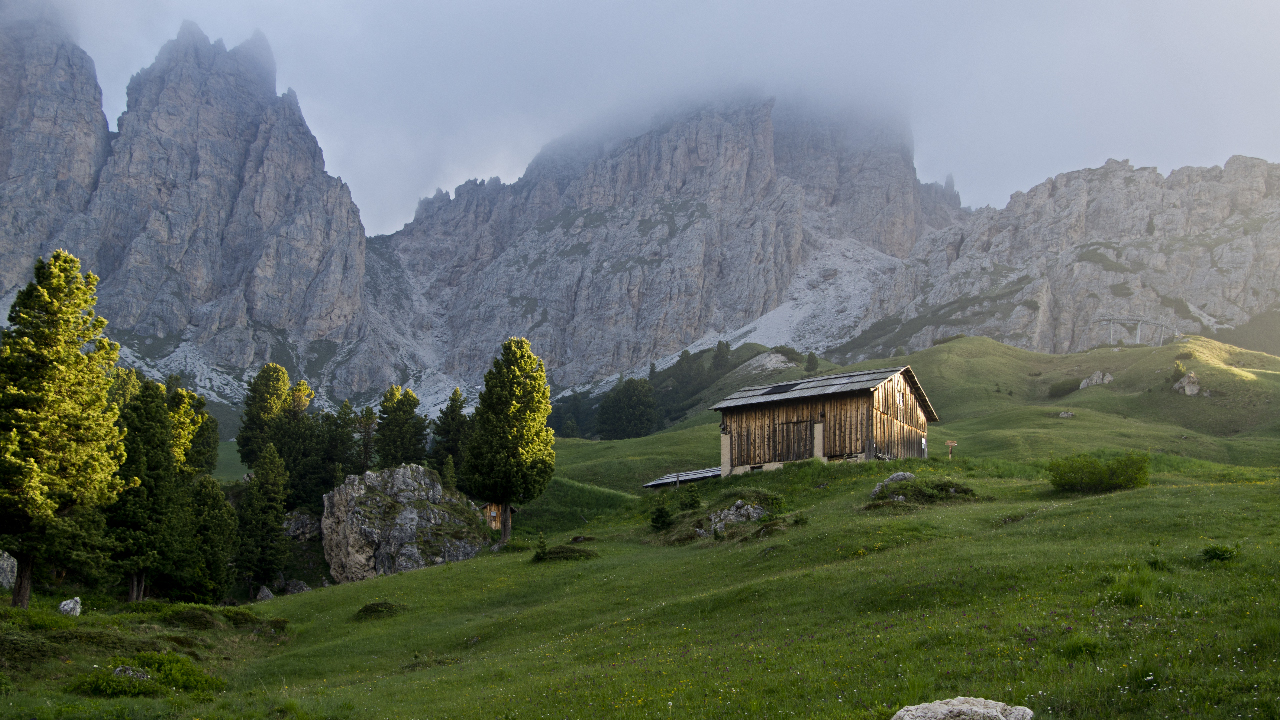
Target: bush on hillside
{"x": 947, "y": 339}
{"x": 378, "y": 610}
{"x": 690, "y": 498}
{"x": 1063, "y": 388}
{"x": 661, "y": 519}
{"x": 1085, "y": 473}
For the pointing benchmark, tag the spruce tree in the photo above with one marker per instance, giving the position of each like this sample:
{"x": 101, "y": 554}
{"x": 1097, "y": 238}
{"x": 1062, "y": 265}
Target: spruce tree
{"x": 267, "y": 397}
{"x": 627, "y": 411}
{"x": 144, "y": 521}
{"x": 401, "y": 436}
{"x": 509, "y": 457}
{"x": 450, "y": 430}
{"x": 59, "y": 444}
{"x": 811, "y": 363}
{"x": 214, "y": 527}
{"x": 720, "y": 360}
{"x": 260, "y": 515}
{"x": 366, "y": 423}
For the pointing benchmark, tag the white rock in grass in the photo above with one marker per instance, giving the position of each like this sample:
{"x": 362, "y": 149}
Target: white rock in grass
{"x": 264, "y": 593}
{"x": 8, "y": 570}
{"x": 896, "y": 477}
{"x": 964, "y": 708}
{"x": 70, "y": 607}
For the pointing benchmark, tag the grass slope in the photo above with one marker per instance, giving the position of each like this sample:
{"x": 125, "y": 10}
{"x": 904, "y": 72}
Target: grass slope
{"x": 1077, "y": 606}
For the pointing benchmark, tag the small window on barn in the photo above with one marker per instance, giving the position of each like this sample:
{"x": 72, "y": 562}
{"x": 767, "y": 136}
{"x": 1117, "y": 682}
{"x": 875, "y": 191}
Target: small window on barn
{"x": 900, "y": 403}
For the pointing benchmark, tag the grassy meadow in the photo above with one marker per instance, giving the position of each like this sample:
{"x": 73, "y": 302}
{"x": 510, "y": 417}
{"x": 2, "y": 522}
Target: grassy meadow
{"x": 1159, "y": 601}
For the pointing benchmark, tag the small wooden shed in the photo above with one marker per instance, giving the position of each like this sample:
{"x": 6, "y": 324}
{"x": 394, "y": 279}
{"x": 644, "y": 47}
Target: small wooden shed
{"x": 851, "y": 416}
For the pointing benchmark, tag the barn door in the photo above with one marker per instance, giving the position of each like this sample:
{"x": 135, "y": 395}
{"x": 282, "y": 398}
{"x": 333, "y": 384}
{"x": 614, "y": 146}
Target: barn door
{"x": 795, "y": 440}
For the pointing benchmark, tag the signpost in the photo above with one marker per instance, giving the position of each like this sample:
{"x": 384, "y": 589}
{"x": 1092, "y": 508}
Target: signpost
{"x": 950, "y": 444}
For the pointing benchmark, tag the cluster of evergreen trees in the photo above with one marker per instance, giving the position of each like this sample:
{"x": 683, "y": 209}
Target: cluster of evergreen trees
{"x": 105, "y": 475}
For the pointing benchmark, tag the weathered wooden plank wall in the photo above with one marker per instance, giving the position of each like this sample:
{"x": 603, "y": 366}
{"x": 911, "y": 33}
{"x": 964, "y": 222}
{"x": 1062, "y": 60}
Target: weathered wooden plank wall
{"x": 888, "y": 421}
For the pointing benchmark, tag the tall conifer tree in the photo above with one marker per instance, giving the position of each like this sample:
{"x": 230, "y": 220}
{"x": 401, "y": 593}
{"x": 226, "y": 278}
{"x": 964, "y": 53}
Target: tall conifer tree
{"x": 59, "y": 444}
{"x": 450, "y": 430}
{"x": 401, "y": 436}
{"x": 261, "y": 518}
{"x": 509, "y": 457}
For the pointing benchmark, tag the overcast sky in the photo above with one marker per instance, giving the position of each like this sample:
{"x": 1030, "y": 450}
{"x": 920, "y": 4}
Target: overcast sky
{"x": 408, "y": 96}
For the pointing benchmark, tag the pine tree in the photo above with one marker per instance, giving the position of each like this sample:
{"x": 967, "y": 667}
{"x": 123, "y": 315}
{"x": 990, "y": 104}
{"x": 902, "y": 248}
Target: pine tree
{"x": 261, "y": 518}
{"x": 366, "y": 424}
{"x": 720, "y": 361}
{"x": 142, "y": 521}
{"x": 450, "y": 430}
{"x": 811, "y": 363}
{"x": 627, "y": 411}
{"x": 267, "y": 397}
{"x": 401, "y": 436}
{"x": 509, "y": 456}
{"x": 59, "y": 445}
{"x": 214, "y": 527}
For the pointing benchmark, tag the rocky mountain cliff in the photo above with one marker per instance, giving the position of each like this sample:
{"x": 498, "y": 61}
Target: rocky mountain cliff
{"x": 222, "y": 243}
{"x": 219, "y": 238}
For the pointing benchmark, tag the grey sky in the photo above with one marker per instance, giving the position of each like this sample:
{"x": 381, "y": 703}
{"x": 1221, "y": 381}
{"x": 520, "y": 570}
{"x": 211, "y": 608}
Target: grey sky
{"x": 409, "y": 96}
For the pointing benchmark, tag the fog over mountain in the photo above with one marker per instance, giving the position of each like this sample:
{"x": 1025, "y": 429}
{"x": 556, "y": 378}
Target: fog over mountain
{"x": 676, "y": 210}
{"x": 406, "y": 97}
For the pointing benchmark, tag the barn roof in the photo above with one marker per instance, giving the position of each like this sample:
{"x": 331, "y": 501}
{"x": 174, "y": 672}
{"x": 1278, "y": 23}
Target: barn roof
{"x": 826, "y": 385}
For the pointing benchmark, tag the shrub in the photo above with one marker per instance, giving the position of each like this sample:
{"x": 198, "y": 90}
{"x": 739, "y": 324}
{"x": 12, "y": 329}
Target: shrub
{"x": 166, "y": 670}
{"x": 564, "y": 552}
{"x": 1063, "y": 388}
{"x": 378, "y": 610}
{"x": 175, "y": 671}
{"x": 1085, "y": 473}
{"x": 105, "y": 683}
{"x": 7, "y": 687}
{"x": 690, "y": 498}
{"x": 1184, "y": 355}
{"x": 1179, "y": 371}
{"x": 192, "y": 617}
{"x": 1218, "y": 553}
{"x": 240, "y": 617}
{"x": 789, "y": 353}
{"x": 947, "y": 339}
{"x": 800, "y": 520}
{"x": 661, "y": 519}
{"x": 766, "y": 499}
{"x": 19, "y": 648}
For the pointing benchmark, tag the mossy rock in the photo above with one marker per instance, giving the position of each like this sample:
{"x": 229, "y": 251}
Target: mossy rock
{"x": 192, "y": 617}
{"x": 379, "y": 610}
{"x": 564, "y": 552}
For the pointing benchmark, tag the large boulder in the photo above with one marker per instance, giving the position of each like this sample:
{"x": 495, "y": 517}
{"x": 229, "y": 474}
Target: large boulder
{"x": 894, "y": 478}
{"x": 1188, "y": 385}
{"x": 391, "y": 521}
{"x": 964, "y": 708}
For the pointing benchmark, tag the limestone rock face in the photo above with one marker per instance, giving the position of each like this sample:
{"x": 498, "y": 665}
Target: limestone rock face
{"x": 301, "y": 526}
{"x": 209, "y": 217}
{"x": 53, "y": 141}
{"x": 386, "y": 522}
{"x": 964, "y": 708}
{"x": 1102, "y": 255}
{"x": 610, "y": 255}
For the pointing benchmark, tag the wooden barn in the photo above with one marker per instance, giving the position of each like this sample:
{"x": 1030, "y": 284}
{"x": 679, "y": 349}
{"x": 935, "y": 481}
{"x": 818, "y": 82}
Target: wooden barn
{"x": 852, "y": 416}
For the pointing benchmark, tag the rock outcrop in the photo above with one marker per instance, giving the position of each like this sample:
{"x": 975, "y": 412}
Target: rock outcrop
{"x": 70, "y": 607}
{"x": 391, "y": 521}
{"x": 964, "y": 708}
{"x": 1188, "y": 384}
{"x": 1097, "y": 378}
{"x": 741, "y": 511}
{"x": 894, "y": 478}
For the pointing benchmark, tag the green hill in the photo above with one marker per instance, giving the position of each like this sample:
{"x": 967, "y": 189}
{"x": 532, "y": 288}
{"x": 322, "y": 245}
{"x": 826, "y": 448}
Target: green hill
{"x": 1151, "y": 602}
